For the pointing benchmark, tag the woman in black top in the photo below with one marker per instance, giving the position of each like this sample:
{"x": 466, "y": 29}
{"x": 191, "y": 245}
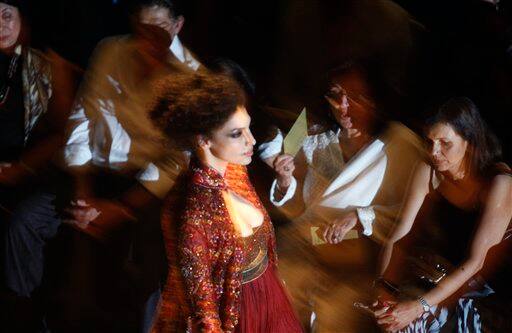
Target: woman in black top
{"x": 469, "y": 193}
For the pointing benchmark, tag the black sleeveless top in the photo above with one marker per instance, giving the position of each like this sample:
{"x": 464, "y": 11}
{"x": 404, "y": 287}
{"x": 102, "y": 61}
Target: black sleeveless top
{"x": 444, "y": 228}
{"x": 447, "y": 230}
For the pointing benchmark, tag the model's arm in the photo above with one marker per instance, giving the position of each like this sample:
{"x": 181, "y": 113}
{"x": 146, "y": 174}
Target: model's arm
{"x": 231, "y": 308}
{"x": 197, "y": 273}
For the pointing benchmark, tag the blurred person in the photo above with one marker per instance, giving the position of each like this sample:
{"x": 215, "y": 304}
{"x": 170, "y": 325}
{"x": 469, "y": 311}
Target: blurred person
{"x": 456, "y": 214}
{"x": 349, "y": 174}
{"x": 167, "y": 14}
{"x": 334, "y": 35}
{"x": 120, "y": 75}
{"x": 115, "y": 154}
{"x": 34, "y": 99}
{"x": 221, "y": 251}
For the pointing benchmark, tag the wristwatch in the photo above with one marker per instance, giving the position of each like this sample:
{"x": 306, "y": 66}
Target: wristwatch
{"x": 423, "y": 302}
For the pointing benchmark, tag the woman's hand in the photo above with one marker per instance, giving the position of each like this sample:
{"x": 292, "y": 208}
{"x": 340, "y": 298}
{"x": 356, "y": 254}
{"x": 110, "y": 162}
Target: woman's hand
{"x": 81, "y": 213}
{"x": 284, "y": 166}
{"x": 400, "y": 315}
{"x": 335, "y": 233}
{"x": 98, "y": 217}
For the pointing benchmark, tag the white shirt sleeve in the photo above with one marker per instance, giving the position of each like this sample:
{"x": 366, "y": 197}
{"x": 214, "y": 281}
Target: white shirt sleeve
{"x": 290, "y": 192}
{"x": 157, "y": 181}
{"x": 77, "y": 150}
{"x": 366, "y": 217}
{"x": 271, "y": 148}
{"x": 150, "y": 174}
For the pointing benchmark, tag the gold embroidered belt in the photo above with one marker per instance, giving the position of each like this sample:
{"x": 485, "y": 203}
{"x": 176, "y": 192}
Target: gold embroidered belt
{"x": 256, "y": 268}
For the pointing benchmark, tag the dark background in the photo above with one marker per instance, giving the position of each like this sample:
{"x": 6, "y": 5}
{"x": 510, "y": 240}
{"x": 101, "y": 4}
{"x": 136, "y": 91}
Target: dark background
{"x": 424, "y": 50}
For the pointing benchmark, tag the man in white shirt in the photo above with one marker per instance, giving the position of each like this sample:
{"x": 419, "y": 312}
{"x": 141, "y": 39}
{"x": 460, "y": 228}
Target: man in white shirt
{"x": 113, "y": 142}
{"x": 166, "y": 15}
{"x": 109, "y": 143}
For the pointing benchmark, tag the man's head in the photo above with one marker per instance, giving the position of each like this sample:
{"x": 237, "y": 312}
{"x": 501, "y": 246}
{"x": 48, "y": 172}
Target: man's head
{"x": 165, "y": 14}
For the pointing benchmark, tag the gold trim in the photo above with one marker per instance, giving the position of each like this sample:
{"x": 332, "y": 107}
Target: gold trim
{"x": 256, "y": 268}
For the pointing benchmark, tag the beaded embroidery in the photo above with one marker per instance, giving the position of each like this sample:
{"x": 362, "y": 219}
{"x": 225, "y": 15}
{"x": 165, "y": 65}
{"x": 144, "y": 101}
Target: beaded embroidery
{"x": 202, "y": 294}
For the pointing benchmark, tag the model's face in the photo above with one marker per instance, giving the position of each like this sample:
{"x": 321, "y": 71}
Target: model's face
{"x": 233, "y": 142}
{"x": 446, "y": 148}
{"x": 10, "y": 26}
{"x": 162, "y": 18}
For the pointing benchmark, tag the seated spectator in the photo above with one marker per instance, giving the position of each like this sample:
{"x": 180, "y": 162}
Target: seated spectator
{"x": 115, "y": 155}
{"x": 168, "y": 15}
{"x": 457, "y": 211}
{"x": 350, "y": 174}
{"x": 34, "y": 99}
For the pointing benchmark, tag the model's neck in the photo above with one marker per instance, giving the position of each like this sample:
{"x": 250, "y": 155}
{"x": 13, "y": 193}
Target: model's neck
{"x": 215, "y": 163}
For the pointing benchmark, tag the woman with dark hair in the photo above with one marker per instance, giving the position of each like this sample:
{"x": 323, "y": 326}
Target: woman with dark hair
{"x": 25, "y": 92}
{"x": 353, "y": 129}
{"x": 456, "y": 214}
{"x": 342, "y": 192}
{"x": 220, "y": 241}
{"x": 32, "y": 122}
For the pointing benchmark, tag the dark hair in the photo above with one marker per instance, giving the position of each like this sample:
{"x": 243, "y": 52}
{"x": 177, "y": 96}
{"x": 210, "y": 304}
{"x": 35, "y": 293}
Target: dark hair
{"x": 463, "y": 116}
{"x": 20, "y": 4}
{"x": 25, "y": 18}
{"x": 188, "y": 105}
{"x": 358, "y": 74}
{"x": 174, "y": 6}
{"x": 359, "y": 83}
{"x": 261, "y": 123}
{"x": 232, "y": 69}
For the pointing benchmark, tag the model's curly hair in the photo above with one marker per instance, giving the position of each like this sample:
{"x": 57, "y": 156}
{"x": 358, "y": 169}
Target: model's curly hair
{"x": 188, "y": 105}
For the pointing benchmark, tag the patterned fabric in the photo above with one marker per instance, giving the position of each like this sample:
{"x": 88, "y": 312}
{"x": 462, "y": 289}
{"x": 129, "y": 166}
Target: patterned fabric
{"x": 313, "y": 143}
{"x": 205, "y": 254}
{"x": 37, "y": 89}
{"x": 255, "y": 259}
{"x": 467, "y": 317}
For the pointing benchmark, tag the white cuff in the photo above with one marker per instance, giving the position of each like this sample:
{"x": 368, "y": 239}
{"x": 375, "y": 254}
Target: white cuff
{"x": 290, "y": 192}
{"x": 150, "y": 174}
{"x": 366, "y": 216}
{"x": 77, "y": 155}
{"x": 272, "y": 147}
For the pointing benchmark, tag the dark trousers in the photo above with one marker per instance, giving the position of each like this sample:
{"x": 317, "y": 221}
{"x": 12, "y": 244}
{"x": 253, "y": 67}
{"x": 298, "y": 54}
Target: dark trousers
{"x": 112, "y": 285}
{"x": 28, "y": 219}
{"x": 30, "y": 225}
{"x": 88, "y": 285}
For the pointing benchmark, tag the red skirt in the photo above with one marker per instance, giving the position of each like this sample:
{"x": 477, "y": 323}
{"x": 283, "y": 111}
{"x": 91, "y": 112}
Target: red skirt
{"x": 265, "y": 307}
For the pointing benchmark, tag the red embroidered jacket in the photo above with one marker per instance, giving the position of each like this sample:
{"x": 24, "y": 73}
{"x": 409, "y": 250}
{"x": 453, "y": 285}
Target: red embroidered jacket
{"x": 205, "y": 254}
